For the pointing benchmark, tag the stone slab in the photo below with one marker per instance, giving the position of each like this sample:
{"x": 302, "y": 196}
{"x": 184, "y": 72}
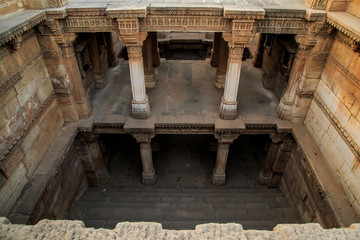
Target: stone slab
{"x": 229, "y": 125}
{"x": 140, "y": 125}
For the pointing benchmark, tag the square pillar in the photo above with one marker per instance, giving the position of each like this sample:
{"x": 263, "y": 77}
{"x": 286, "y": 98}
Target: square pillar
{"x": 148, "y": 173}
{"x": 222, "y": 61}
{"x": 148, "y": 63}
{"x": 228, "y": 106}
{"x": 154, "y": 49}
{"x": 218, "y": 177}
{"x": 214, "y": 58}
{"x": 97, "y": 70}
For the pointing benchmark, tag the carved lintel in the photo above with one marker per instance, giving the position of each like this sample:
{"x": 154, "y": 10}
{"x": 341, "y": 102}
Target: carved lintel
{"x": 226, "y": 137}
{"x": 143, "y": 137}
{"x": 15, "y": 43}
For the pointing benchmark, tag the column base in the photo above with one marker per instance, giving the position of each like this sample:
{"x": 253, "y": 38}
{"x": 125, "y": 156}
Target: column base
{"x": 84, "y": 108}
{"x": 228, "y": 110}
{"x": 149, "y": 179}
{"x": 100, "y": 80}
{"x": 218, "y": 180}
{"x": 150, "y": 80}
{"x": 220, "y": 80}
{"x": 263, "y": 178}
{"x": 284, "y": 110}
{"x": 140, "y": 110}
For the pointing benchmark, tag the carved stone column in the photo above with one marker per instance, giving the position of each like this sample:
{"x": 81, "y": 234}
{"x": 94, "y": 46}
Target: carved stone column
{"x": 154, "y": 49}
{"x": 223, "y": 54}
{"x": 148, "y": 173}
{"x": 91, "y": 156}
{"x": 228, "y": 106}
{"x": 276, "y": 159}
{"x": 148, "y": 63}
{"x": 285, "y": 107}
{"x": 82, "y": 99}
{"x": 60, "y": 79}
{"x": 258, "y": 55}
{"x": 97, "y": 69}
{"x": 214, "y": 59}
{"x": 218, "y": 176}
{"x": 112, "y": 58}
{"x": 133, "y": 40}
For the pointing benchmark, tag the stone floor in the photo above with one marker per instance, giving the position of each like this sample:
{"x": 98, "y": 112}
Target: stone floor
{"x": 183, "y": 195}
{"x": 185, "y": 87}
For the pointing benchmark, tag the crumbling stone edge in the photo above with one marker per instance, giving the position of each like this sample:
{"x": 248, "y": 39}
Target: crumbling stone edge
{"x": 66, "y": 229}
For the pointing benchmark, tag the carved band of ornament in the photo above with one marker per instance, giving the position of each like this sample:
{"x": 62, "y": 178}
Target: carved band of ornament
{"x": 342, "y": 29}
{"x": 285, "y": 14}
{"x": 226, "y": 137}
{"x": 341, "y": 37}
{"x": 316, "y": 4}
{"x": 22, "y": 132}
{"x": 142, "y": 137}
{"x": 353, "y": 78}
{"x": 186, "y": 12}
{"x": 57, "y": 3}
{"x": 338, "y": 126}
{"x": 14, "y": 79}
{"x": 86, "y": 12}
{"x": 21, "y": 28}
{"x": 93, "y": 24}
{"x": 182, "y": 23}
{"x": 304, "y": 94}
{"x": 128, "y": 26}
{"x": 282, "y": 26}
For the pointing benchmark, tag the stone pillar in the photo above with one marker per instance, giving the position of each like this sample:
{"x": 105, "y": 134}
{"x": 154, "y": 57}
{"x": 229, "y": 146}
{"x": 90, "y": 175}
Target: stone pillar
{"x": 285, "y": 107}
{"x": 228, "y": 106}
{"x": 218, "y": 176}
{"x": 278, "y": 155}
{"x": 258, "y": 55}
{"x": 97, "y": 69}
{"x": 154, "y": 49}
{"x": 148, "y": 173}
{"x": 222, "y": 63}
{"x": 133, "y": 39}
{"x": 112, "y": 58}
{"x": 59, "y": 76}
{"x": 81, "y": 97}
{"x": 214, "y": 59}
{"x": 92, "y": 159}
{"x": 148, "y": 63}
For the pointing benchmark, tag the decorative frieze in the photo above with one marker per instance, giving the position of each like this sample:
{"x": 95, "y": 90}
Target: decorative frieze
{"x": 338, "y": 126}
{"x": 89, "y": 24}
{"x": 57, "y": 3}
{"x": 282, "y": 26}
{"x": 316, "y": 4}
{"x": 184, "y": 23}
{"x": 343, "y": 29}
{"x": 341, "y": 37}
{"x": 182, "y": 12}
{"x": 128, "y": 26}
{"x": 353, "y": 78}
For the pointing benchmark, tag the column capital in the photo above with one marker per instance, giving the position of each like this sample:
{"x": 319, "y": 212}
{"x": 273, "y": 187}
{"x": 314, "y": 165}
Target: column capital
{"x": 279, "y": 137}
{"x": 241, "y": 33}
{"x": 129, "y": 32}
{"x": 226, "y": 137}
{"x": 143, "y": 137}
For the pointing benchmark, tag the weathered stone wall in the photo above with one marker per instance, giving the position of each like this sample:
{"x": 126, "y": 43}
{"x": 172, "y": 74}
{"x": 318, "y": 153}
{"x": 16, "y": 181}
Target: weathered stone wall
{"x": 334, "y": 117}
{"x": 353, "y": 7}
{"x": 57, "y": 183}
{"x": 61, "y": 229}
{"x": 30, "y": 116}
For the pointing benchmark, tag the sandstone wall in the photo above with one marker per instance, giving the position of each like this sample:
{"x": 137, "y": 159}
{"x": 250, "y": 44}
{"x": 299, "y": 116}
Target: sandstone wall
{"x": 334, "y": 118}
{"x": 29, "y": 119}
{"x": 353, "y": 7}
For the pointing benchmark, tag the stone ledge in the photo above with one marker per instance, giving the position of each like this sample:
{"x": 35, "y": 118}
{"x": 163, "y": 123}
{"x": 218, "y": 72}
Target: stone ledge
{"x": 345, "y": 23}
{"x": 63, "y": 229}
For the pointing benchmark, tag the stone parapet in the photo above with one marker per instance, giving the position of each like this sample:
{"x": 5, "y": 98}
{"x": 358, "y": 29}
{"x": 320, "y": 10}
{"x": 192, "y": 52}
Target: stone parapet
{"x": 62, "y": 229}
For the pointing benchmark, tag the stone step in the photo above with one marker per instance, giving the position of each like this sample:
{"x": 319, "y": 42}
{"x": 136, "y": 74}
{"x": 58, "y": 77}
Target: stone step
{"x": 186, "y": 190}
{"x": 175, "y": 205}
{"x": 183, "y": 214}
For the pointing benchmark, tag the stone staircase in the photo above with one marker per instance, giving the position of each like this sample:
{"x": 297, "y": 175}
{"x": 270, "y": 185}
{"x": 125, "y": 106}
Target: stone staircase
{"x": 184, "y": 208}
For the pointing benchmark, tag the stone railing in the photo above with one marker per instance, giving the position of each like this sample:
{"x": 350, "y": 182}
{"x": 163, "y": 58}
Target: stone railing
{"x": 63, "y": 229}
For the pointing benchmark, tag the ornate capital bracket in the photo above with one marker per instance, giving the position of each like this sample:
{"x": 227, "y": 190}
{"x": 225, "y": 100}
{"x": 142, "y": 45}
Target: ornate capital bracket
{"x": 143, "y": 137}
{"x": 305, "y": 42}
{"x": 226, "y": 137}
{"x": 129, "y": 32}
{"x": 280, "y": 137}
{"x": 66, "y": 39}
{"x": 15, "y": 43}
{"x": 54, "y": 26}
{"x": 241, "y": 33}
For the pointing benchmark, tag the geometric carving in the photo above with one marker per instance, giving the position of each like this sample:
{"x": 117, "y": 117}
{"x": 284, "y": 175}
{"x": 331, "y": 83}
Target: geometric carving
{"x": 282, "y": 26}
{"x": 89, "y": 24}
{"x": 316, "y": 4}
{"x": 185, "y": 23}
